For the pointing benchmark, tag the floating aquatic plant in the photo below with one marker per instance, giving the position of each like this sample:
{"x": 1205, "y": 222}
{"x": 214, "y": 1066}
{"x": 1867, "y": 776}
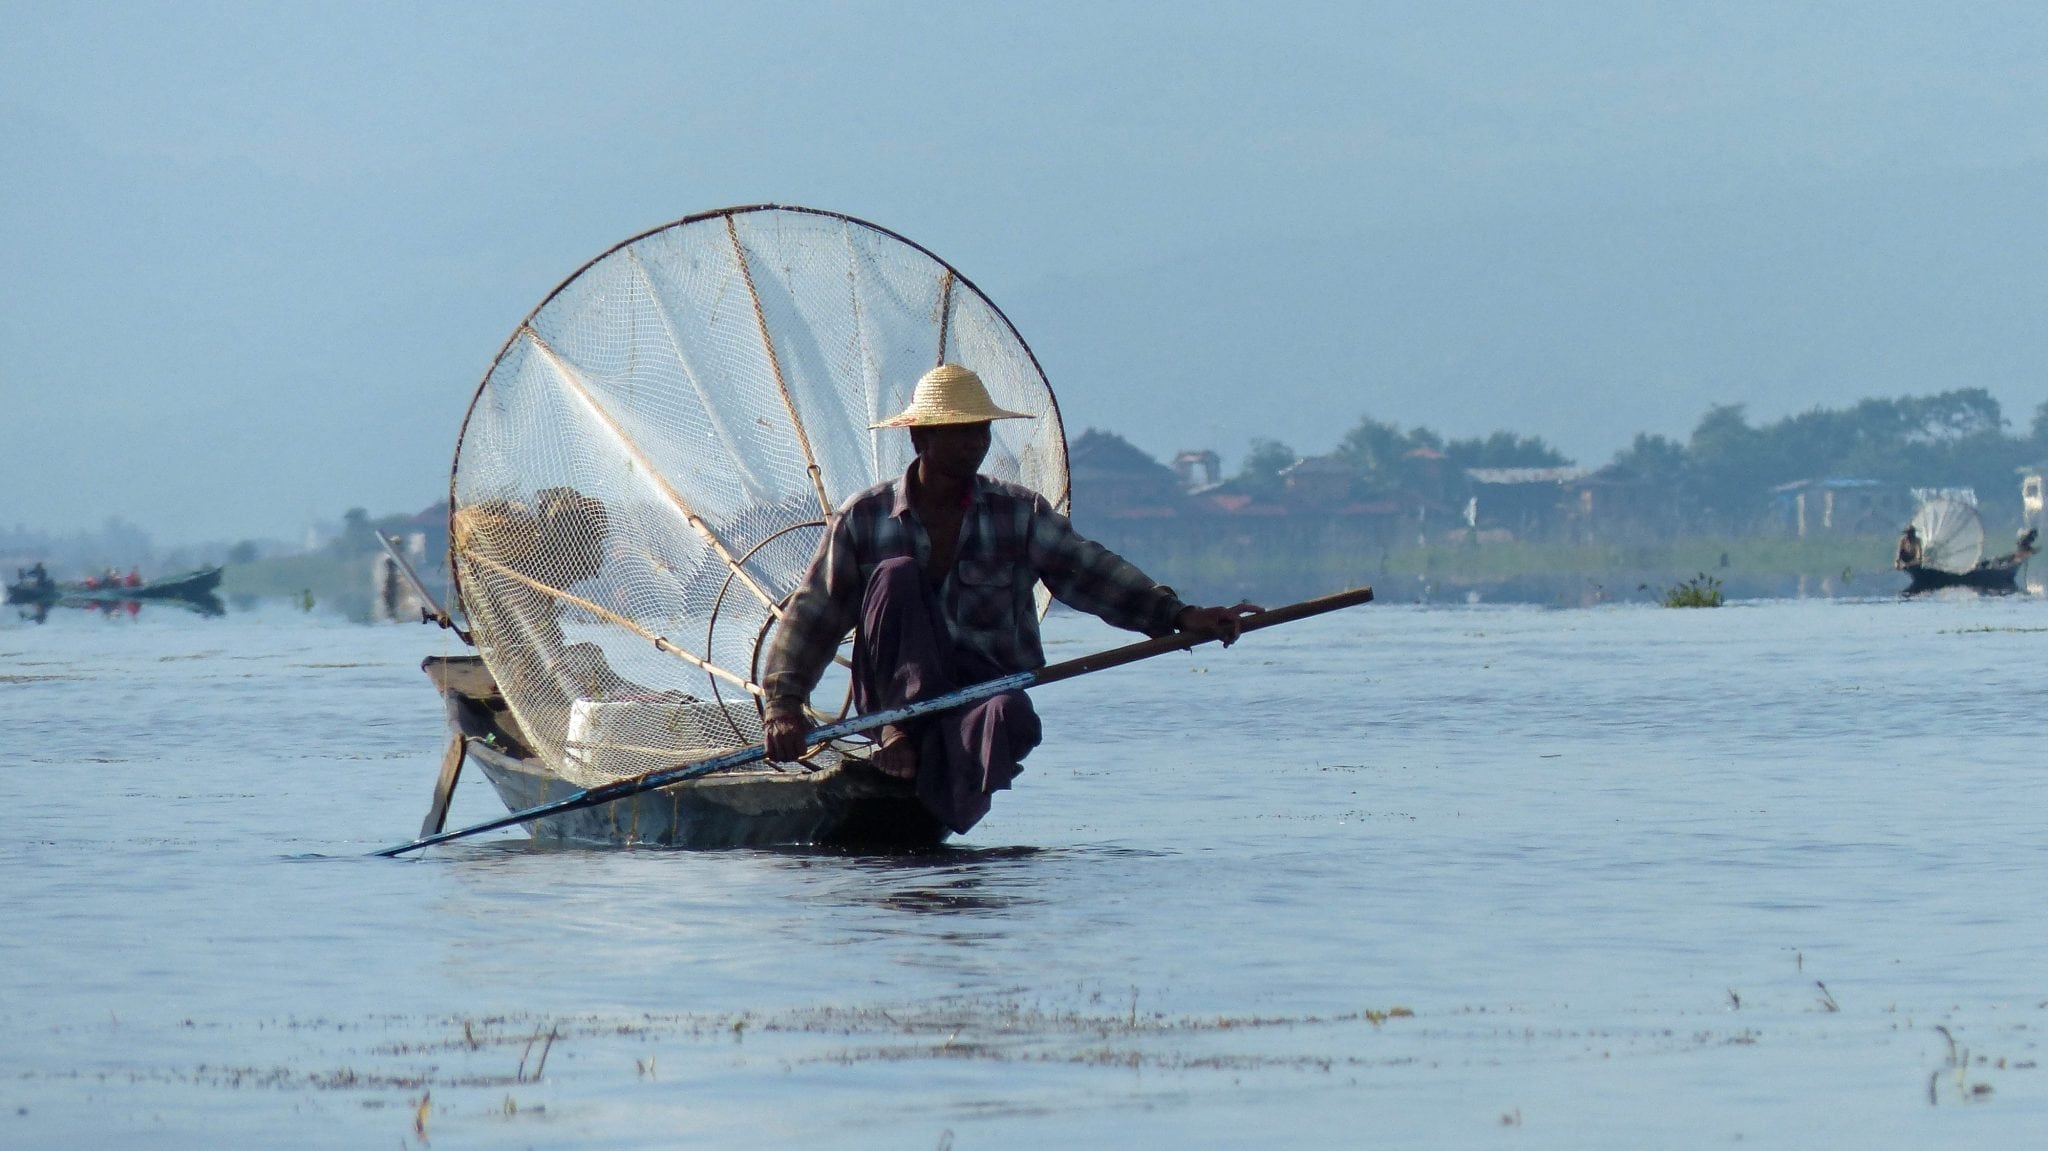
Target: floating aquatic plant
{"x": 1702, "y": 590}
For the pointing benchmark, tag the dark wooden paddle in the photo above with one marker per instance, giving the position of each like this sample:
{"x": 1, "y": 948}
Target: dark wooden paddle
{"x": 1115, "y": 657}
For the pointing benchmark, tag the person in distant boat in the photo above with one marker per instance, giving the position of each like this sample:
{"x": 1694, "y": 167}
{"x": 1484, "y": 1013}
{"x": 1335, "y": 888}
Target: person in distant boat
{"x": 935, "y": 574}
{"x": 1909, "y": 548}
{"x": 133, "y": 578}
{"x": 2025, "y": 547}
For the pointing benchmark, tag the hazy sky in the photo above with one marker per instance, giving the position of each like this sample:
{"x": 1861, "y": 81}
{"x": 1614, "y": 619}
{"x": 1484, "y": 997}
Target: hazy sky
{"x": 254, "y": 258}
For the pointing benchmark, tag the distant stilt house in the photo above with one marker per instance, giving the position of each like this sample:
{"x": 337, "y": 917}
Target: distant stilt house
{"x": 1114, "y": 479}
{"x": 426, "y": 534}
{"x": 1425, "y": 467}
{"x": 1838, "y": 505}
{"x": 423, "y": 540}
{"x": 1531, "y": 503}
{"x": 1319, "y": 482}
{"x": 1186, "y": 525}
{"x": 1198, "y": 469}
{"x": 1613, "y": 505}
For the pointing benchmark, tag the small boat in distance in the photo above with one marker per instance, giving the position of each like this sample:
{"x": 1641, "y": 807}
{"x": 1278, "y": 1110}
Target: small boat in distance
{"x": 1993, "y": 575}
{"x": 34, "y": 587}
{"x": 1944, "y": 547}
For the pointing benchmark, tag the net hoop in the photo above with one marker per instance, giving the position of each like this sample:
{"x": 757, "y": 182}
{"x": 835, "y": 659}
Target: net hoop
{"x": 1951, "y": 535}
{"x": 683, "y": 405}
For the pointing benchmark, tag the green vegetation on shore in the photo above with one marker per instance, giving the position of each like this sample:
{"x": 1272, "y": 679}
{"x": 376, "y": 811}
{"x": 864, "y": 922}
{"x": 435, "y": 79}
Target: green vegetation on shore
{"x": 1487, "y": 562}
{"x": 341, "y": 581}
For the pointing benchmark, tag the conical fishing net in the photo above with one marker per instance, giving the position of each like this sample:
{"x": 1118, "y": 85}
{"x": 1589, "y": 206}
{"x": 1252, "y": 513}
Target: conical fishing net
{"x": 1951, "y": 535}
{"x": 644, "y": 473}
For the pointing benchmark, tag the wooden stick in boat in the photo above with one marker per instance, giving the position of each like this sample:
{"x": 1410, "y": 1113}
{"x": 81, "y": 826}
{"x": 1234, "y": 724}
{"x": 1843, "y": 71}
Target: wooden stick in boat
{"x": 1115, "y": 657}
{"x": 444, "y": 786}
{"x": 431, "y": 610}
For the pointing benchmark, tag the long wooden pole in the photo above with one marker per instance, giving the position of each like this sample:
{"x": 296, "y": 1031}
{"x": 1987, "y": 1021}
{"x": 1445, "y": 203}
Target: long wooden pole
{"x": 1115, "y": 657}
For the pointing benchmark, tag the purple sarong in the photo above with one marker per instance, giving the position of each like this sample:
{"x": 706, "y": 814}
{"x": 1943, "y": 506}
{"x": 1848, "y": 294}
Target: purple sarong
{"x": 903, "y": 653}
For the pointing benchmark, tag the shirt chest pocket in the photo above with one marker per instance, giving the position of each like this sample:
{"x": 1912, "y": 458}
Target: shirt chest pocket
{"x": 984, "y": 590}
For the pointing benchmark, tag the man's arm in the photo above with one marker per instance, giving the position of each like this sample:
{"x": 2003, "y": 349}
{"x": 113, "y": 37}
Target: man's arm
{"x": 817, "y": 617}
{"x": 1085, "y": 575}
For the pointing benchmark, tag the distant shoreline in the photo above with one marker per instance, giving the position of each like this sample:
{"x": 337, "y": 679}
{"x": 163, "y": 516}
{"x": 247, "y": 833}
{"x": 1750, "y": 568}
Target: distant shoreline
{"x": 1519, "y": 572}
{"x": 1211, "y": 569}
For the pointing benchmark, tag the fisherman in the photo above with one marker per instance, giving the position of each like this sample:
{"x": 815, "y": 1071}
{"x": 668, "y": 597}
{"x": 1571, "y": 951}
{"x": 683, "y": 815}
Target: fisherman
{"x": 934, "y": 572}
{"x": 2025, "y": 547}
{"x": 1909, "y": 548}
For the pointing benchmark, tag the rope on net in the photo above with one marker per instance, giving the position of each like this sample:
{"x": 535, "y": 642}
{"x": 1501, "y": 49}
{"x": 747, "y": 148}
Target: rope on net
{"x": 796, "y": 422}
{"x": 676, "y": 347}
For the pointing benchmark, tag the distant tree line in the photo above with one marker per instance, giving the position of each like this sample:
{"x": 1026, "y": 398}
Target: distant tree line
{"x": 1389, "y": 461}
{"x": 1718, "y": 480}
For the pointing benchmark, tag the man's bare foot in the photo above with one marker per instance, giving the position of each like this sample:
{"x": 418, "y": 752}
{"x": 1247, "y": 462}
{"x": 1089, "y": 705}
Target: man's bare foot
{"x": 896, "y": 754}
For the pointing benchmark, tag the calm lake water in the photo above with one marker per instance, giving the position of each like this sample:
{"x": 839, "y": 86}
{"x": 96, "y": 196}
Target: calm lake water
{"x": 1768, "y": 875}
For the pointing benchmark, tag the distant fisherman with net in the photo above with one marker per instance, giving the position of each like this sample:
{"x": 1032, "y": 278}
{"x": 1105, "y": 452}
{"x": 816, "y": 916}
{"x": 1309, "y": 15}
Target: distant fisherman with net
{"x": 1909, "y": 549}
{"x": 934, "y": 574}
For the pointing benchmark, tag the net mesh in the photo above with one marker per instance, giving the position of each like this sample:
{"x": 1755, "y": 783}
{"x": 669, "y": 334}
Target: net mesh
{"x": 1951, "y": 534}
{"x": 645, "y": 471}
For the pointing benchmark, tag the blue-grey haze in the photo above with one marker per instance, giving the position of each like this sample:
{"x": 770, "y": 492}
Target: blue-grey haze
{"x": 254, "y": 259}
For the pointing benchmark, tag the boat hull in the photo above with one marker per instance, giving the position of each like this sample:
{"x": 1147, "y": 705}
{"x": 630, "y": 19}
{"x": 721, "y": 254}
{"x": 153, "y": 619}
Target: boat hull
{"x": 1992, "y": 577}
{"x": 197, "y": 585}
{"x": 847, "y": 805}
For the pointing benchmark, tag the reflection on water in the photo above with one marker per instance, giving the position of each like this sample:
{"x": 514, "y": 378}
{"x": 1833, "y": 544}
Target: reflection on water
{"x": 1620, "y": 876}
{"x": 207, "y": 605}
{"x": 947, "y": 880}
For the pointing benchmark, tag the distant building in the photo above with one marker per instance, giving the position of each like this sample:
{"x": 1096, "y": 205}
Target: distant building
{"x": 1425, "y": 471}
{"x": 1198, "y": 469}
{"x": 1838, "y": 505}
{"x": 1319, "y": 481}
{"x": 424, "y": 535}
{"x": 1614, "y": 505}
{"x": 1112, "y": 477}
{"x": 1529, "y": 503}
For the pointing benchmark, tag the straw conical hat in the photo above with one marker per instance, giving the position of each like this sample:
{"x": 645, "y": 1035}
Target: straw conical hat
{"x": 949, "y": 394}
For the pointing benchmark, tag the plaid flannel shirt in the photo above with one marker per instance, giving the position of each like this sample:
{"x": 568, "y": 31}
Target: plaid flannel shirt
{"x": 1011, "y": 540}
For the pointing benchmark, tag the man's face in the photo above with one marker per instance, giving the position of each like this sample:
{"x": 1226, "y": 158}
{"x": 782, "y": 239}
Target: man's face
{"x": 954, "y": 450}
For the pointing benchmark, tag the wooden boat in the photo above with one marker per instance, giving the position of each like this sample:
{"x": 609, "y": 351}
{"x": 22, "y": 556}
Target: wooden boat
{"x": 188, "y": 585}
{"x": 1996, "y": 575}
{"x": 192, "y": 585}
{"x": 621, "y": 593}
{"x": 849, "y": 804}
{"x": 1949, "y": 551}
